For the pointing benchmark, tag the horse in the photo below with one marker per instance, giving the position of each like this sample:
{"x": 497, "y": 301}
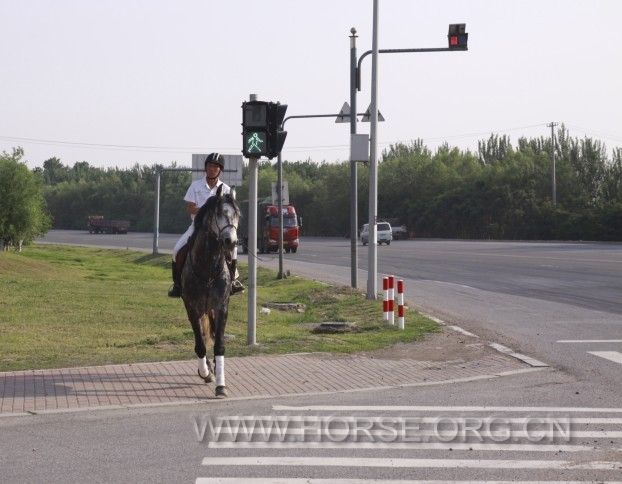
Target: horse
{"x": 206, "y": 281}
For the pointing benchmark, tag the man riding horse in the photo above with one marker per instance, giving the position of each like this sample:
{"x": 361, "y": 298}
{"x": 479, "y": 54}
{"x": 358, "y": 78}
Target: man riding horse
{"x": 198, "y": 193}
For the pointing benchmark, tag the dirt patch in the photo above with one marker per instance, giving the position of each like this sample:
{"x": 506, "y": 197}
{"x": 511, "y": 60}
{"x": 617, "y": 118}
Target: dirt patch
{"x": 447, "y": 345}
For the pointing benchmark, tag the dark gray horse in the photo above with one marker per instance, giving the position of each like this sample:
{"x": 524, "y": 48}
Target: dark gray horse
{"x": 206, "y": 282}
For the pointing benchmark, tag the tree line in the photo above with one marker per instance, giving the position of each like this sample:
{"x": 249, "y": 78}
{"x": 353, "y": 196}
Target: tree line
{"x": 500, "y": 191}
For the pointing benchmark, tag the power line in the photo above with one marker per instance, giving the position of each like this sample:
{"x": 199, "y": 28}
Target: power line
{"x": 195, "y": 149}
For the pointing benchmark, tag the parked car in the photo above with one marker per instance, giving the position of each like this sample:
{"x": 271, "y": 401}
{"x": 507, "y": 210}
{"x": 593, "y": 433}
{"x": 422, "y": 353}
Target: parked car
{"x": 384, "y": 233}
{"x": 400, "y": 232}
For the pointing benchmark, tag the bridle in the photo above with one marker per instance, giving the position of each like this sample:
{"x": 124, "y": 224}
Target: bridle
{"x": 205, "y": 228}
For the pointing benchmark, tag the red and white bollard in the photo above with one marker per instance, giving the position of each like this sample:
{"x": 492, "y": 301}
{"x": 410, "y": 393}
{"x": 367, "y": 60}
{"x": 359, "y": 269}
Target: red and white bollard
{"x": 385, "y": 300}
{"x": 400, "y": 304}
{"x": 391, "y": 299}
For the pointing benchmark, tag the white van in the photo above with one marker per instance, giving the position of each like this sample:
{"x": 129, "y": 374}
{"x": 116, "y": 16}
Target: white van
{"x": 384, "y": 233}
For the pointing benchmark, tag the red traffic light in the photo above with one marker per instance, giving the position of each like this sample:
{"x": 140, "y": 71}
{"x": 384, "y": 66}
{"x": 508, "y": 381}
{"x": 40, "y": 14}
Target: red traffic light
{"x": 457, "y": 36}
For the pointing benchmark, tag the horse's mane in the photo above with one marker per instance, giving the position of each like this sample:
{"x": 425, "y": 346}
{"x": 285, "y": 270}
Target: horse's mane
{"x": 213, "y": 203}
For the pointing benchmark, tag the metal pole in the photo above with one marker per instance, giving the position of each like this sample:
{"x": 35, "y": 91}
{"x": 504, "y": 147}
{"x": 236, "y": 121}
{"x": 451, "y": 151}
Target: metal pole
{"x": 353, "y": 168}
{"x": 156, "y": 213}
{"x": 251, "y": 335}
{"x": 553, "y": 170}
{"x": 279, "y": 194}
{"x": 373, "y": 166}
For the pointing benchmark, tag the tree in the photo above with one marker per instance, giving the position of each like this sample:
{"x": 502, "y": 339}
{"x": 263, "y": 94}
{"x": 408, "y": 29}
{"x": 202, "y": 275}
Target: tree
{"x": 22, "y": 209}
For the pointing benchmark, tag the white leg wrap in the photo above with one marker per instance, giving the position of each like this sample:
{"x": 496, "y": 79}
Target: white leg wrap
{"x": 203, "y": 369}
{"x": 220, "y": 371}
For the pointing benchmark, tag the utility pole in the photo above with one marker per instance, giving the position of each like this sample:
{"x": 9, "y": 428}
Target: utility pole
{"x": 553, "y": 180}
{"x": 372, "y": 263}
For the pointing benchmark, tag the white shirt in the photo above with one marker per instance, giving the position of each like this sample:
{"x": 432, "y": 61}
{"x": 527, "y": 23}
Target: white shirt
{"x": 199, "y": 192}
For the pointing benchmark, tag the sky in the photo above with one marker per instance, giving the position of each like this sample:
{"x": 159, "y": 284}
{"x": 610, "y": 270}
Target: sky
{"x": 120, "y": 82}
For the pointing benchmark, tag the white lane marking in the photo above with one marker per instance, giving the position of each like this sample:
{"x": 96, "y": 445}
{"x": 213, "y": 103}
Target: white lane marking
{"x": 519, "y": 356}
{"x": 404, "y": 446}
{"x": 437, "y": 408}
{"x": 614, "y": 356}
{"x": 458, "y": 329}
{"x": 272, "y": 480}
{"x": 589, "y": 341}
{"x": 285, "y": 418}
{"x": 409, "y": 463}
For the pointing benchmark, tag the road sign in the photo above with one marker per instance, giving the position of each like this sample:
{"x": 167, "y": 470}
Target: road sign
{"x": 232, "y": 174}
{"x": 367, "y": 115}
{"x": 284, "y": 194}
{"x": 344, "y": 114}
{"x": 359, "y": 147}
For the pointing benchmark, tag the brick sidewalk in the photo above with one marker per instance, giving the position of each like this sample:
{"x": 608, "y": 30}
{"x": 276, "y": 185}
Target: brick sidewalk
{"x": 113, "y": 386}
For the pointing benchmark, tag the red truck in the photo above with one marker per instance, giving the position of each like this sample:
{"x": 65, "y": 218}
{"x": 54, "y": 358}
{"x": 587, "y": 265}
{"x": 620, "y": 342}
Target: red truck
{"x": 97, "y": 224}
{"x": 268, "y": 228}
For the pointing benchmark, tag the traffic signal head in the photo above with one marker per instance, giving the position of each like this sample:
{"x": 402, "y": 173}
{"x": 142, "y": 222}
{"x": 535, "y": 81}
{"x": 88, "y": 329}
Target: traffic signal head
{"x": 457, "y": 37}
{"x": 255, "y": 129}
{"x": 261, "y": 128}
{"x": 276, "y": 115}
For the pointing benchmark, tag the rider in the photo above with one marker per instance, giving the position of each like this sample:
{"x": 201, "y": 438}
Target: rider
{"x": 198, "y": 193}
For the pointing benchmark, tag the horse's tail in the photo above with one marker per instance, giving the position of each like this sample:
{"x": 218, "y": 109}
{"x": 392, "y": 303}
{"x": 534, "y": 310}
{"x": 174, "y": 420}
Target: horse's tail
{"x": 207, "y": 327}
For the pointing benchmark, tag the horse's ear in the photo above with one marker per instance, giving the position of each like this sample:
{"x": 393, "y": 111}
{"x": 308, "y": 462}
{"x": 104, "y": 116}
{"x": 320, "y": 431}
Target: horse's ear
{"x": 232, "y": 192}
{"x": 219, "y": 191}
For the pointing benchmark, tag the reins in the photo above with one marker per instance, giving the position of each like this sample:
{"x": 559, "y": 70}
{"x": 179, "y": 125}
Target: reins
{"x": 209, "y": 281}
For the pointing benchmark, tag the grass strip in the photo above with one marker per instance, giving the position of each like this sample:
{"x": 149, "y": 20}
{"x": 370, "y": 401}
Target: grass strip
{"x": 63, "y": 306}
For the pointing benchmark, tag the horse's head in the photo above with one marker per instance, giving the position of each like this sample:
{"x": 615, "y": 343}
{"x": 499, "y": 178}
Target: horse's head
{"x": 220, "y": 217}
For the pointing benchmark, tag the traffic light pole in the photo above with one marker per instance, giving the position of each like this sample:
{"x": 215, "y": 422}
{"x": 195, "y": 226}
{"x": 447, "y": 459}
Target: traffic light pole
{"x": 458, "y": 42}
{"x": 280, "y": 183}
{"x": 353, "y": 169}
{"x": 251, "y": 330}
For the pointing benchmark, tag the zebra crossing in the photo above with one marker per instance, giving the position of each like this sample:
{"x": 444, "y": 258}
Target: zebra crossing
{"x": 398, "y": 444}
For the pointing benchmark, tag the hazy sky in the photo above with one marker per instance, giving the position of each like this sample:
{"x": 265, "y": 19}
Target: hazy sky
{"x": 172, "y": 74}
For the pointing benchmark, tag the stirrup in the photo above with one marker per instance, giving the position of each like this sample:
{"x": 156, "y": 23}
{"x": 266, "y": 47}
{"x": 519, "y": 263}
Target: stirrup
{"x": 237, "y": 286}
{"x": 174, "y": 291}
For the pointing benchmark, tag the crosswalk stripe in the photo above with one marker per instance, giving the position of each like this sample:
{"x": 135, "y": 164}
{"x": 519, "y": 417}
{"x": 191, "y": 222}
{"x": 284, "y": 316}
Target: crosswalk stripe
{"x": 498, "y": 434}
{"x": 614, "y": 356}
{"x": 404, "y": 446}
{"x": 270, "y": 480}
{"x": 438, "y": 409}
{"x": 589, "y": 341}
{"x": 285, "y": 418}
{"x": 409, "y": 463}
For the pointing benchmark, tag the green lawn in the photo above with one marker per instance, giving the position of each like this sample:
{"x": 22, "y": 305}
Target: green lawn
{"x": 66, "y": 306}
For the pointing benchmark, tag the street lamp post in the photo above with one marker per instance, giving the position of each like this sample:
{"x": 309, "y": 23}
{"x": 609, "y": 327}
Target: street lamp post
{"x": 457, "y": 41}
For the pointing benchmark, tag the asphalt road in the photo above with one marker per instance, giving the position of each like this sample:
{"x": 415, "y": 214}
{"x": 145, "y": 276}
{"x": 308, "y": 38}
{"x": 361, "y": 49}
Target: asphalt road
{"x": 161, "y": 444}
{"x": 526, "y": 295}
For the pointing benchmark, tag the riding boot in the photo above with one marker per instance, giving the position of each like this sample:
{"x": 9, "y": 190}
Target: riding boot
{"x": 175, "y": 291}
{"x": 236, "y": 285}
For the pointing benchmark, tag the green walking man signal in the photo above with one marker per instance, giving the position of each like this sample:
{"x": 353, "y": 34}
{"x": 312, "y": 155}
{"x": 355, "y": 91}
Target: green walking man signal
{"x": 262, "y": 132}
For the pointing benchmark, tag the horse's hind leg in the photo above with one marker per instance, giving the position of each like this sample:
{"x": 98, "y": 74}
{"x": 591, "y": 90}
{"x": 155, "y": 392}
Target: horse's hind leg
{"x": 218, "y": 323}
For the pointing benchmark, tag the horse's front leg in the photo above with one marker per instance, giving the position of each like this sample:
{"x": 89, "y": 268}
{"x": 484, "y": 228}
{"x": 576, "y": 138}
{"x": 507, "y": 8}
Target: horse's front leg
{"x": 197, "y": 321}
{"x": 220, "y": 321}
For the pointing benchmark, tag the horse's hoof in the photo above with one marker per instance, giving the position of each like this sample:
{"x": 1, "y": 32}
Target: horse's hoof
{"x": 221, "y": 391}
{"x": 207, "y": 379}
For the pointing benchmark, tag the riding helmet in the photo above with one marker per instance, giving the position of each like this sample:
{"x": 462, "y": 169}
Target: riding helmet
{"x": 216, "y": 159}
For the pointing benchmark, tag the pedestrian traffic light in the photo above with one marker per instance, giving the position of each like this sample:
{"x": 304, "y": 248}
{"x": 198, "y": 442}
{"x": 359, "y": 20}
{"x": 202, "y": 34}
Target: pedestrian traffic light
{"x": 261, "y": 128}
{"x": 276, "y": 114}
{"x": 255, "y": 130}
{"x": 457, "y": 37}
